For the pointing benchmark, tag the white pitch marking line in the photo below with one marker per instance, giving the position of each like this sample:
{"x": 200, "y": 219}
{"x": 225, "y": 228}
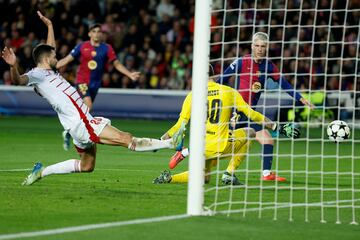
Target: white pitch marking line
{"x": 90, "y": 227}
{"x": 15, "y": 170}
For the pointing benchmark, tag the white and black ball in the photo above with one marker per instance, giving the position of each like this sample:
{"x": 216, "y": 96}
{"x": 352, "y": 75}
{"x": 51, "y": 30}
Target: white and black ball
{"x": 338, "y": 131}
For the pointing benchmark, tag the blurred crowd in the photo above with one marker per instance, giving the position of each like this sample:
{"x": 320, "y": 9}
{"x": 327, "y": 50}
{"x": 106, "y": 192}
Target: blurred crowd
{"x": 155, "y": 37}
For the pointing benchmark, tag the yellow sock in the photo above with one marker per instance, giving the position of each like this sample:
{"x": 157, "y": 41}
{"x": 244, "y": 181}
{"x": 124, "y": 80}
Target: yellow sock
{"x": 180, "y": 177}
{"x": 238, "y": 158}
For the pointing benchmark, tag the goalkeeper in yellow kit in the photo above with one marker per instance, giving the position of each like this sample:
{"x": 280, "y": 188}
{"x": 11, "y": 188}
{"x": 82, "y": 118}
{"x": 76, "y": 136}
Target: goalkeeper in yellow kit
{"x": 220, "y": 141}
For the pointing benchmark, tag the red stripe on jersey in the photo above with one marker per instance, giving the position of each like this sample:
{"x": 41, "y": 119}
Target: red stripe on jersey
{"x": 72, "y": 93}
{"x": 83, "y": 117}
{"x": 66, "y": 89}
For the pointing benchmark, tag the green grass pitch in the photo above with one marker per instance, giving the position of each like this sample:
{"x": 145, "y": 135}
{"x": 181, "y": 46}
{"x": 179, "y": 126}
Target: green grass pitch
{"x": 121, "y": 189}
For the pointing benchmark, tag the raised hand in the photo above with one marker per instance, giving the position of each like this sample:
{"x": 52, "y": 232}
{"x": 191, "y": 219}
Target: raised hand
{"x": 290, "y": 130}
{"x": 134, "y": 76}
{"x": 44, "y": 19}
{"x": 9, "y": 56}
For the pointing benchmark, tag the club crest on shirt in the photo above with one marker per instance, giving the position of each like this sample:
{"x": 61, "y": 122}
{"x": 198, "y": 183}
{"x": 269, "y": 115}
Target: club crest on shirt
{"x": 258, "y": 73}
{"x": 92, "y": 65}
{"x": 93, "y": 53}
{"x": 256, "y": 87}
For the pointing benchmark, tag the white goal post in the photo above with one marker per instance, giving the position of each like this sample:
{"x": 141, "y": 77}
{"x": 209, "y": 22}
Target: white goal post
{"x": 198, "y": 111}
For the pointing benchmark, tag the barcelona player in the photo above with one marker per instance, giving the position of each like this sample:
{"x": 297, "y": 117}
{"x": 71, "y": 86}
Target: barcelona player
{"x": 93, "y": 56}
{"x": 252, "y": 71}
{"x": 220, "y": 141}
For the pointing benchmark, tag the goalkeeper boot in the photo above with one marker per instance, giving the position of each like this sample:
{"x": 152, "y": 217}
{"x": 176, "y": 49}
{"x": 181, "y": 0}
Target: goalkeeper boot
{"x": 165, "y": 177}
{"x": 35, "y": 174}
{"x": 66, "y": 137}
{"x": 230, "y": 179}
{"x": 176, "y": 159}
{"x": 178, "y": 137}
{"x": 273, "y": 177}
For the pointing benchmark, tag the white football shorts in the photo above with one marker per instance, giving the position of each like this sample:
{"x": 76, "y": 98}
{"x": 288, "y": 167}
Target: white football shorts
{"x": 86, "y": 134}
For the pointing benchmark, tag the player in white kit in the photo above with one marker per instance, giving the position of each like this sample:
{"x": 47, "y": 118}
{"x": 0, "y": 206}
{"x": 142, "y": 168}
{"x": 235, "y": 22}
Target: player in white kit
{"x": 73, "y": 114}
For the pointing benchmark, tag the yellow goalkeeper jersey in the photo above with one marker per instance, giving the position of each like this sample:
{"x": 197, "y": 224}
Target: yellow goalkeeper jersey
{"x": 221, "y": 101}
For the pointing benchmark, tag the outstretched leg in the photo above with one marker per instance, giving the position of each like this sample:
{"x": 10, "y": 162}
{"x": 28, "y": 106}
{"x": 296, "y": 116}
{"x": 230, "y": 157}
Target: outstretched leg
{"x": 113, "y": 136}
{"x": 86, "y": 164}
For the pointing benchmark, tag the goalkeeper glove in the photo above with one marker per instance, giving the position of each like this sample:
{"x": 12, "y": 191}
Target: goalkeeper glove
{"x": 290, "y": 130}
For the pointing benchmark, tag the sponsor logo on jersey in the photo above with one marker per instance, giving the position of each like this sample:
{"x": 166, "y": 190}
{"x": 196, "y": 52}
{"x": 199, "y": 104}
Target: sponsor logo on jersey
{"x": 92, "y": 65}
{"x": 83, "y": 88}
{"x": 256, "y": 87}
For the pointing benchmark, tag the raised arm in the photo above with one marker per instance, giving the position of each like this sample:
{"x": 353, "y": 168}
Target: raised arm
{"x": 121, "y": 68}
{"x": 10, "y": 58}
{"x": 50, "y": 37}
{"x": 64, "y": 61}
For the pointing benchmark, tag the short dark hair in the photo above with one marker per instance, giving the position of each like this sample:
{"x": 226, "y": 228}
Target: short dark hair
{"x": 95, "y": 25}
{"x": 40, "y": 50}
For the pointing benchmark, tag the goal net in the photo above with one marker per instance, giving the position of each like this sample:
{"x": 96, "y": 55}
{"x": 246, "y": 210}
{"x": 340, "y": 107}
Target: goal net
{"x": 315, "y": 46}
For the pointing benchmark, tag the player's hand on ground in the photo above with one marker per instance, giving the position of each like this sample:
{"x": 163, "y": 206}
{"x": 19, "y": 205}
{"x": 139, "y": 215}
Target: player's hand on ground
{"x": 44, "y": 19}
{"x": 134, "y": 76}
{"x": 9, "y": 56}
{"x": 290, "y": 130}
{"x": 307, "y": 103}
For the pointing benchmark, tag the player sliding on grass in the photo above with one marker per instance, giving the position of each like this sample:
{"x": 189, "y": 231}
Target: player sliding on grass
{"x": 251, "y": 73}
{"x": 73, "y": 114}
{"x": 220, "y": 141}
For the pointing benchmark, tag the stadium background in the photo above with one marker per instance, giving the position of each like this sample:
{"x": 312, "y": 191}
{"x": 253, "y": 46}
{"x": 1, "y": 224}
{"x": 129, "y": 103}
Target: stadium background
{"x": 156, "y": 37}
{"x": 120, "y": 189}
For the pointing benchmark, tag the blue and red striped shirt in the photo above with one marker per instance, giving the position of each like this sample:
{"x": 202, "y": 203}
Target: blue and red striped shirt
{"x": 251, "y": 78}
{"x": 93, "y": 61}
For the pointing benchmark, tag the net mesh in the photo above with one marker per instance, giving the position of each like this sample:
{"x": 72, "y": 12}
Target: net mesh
{"x": 315, "y": 45}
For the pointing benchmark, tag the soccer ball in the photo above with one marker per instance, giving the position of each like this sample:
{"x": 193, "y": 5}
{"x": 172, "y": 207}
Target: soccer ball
{"x": 338, "y": 131}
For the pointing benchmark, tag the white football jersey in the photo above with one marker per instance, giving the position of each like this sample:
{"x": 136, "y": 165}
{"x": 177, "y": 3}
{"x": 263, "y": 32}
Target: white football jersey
{"x": 72, "y": 111}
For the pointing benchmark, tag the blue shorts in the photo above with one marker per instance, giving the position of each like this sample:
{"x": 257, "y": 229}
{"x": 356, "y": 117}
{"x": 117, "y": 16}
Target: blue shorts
{"x": 84, "y": 91}
{"x": 243, "y": 121}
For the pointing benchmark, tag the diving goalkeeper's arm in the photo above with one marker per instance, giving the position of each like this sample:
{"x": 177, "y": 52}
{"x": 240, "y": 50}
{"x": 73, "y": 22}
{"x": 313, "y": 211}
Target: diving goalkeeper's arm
{"x": 183, "y": 118}
{"x": 289, "y": 129}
